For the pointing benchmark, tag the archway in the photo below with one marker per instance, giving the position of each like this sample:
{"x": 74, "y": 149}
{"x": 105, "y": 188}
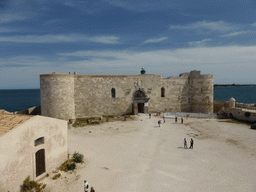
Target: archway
{"x": 140, "y": 102}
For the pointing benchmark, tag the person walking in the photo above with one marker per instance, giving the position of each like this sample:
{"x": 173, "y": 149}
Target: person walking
{"x": 149, "y": 115}
{"x": 176, "y": 119}
{"x": 164, "y": 119}
{"x": 181, "y": 120}
{"x": 191, "y": 143}
{"x": 92, "y": 189}
{"x": 86, "y": 186}
{"x": 185, "y": 143}
{"x": 159, "y": 122}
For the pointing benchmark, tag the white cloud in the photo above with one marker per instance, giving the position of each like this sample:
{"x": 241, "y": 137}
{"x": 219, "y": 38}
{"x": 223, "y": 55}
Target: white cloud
{"x": 105, "y": 39}
{"x": 230, "y": 64}
{"x": 59, "y": 38}
{"x": 230, "y": 55}
{"x": 6, "y": 30}
{"x": 221, "y": 26}
{"x": 199, "y": 43}
{"x": 156, "y": 40}
{"x": 8, "y": 17}
{"x": 236, "y": 33}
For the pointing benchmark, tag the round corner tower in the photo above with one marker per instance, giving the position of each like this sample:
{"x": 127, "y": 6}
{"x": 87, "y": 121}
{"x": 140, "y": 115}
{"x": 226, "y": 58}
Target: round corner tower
{"x": 57, "y": 96}
{"x": 201, "y": 92}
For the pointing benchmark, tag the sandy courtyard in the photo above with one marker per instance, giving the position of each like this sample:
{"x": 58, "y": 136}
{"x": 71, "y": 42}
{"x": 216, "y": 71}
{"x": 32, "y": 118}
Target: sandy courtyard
{"x": 137, "y": 155}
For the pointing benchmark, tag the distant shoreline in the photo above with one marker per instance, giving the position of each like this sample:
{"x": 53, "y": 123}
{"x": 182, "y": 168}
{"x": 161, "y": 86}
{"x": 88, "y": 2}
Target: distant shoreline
{"x": 235, "y": 85}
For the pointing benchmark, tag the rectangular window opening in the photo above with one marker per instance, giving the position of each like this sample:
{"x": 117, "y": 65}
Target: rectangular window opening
{"x": 39, "y": 141}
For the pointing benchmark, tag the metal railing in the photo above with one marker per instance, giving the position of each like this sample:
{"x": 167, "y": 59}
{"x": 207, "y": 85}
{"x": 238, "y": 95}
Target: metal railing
{"x": 172, "y": 115}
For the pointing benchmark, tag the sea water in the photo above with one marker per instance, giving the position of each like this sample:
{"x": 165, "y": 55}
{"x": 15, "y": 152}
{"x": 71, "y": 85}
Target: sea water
{"x": 242, "y": 94}
{"x": 21, "y": 99}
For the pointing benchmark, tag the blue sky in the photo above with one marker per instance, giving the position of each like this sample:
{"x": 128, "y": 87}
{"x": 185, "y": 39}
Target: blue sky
{"x": 167, "y": 37}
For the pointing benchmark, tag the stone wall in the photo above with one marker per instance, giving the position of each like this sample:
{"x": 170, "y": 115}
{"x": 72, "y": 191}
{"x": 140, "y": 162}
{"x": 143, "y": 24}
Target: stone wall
{"x": 93, "y": 94}
{"x": 219, "y": 104}
{"x": 241, "y": 114}
{"x": 57, "y": 96}
{"x": 79, "y": 96}
{"x": 17, "y": 149}
{"x": 201, "y": 92}
{"x": 246, "y": 106}
{"x": 233, "y": 110}
{"x": 30, "y": 111}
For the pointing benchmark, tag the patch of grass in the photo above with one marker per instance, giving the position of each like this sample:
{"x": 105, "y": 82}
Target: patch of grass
{"x": 56, "y": 176}
{"x": 97, "y": 120}
{"x": 77, "y": 157}
{"x": 108, "y": 116}
{"x": 88, "y": 121}
{"x": 71, "y": 163}
{"x": 71, "y": 166}
{"x": 63, "y": 166}
{"x": 80, "y": 123}
{"x": 29, "y": 186}
{"x": 236, "y": 122}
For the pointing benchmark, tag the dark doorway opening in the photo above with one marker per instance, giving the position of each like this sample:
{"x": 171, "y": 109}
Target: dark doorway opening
{"x": 40, "y": 162}
{"x": 140, "y": 107}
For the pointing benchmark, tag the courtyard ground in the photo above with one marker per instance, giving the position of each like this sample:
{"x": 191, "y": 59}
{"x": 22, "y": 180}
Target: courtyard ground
{"x": 137, "y": 155}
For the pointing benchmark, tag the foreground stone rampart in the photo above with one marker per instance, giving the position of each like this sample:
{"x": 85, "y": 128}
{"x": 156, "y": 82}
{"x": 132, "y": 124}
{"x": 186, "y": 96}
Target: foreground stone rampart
{"x": 239, "y": 111}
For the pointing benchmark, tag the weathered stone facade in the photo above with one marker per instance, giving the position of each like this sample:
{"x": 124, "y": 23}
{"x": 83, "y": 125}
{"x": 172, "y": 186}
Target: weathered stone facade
{"x": 67, "y": 96}
{"x": 238, "y": 111}
{"x": 30, "y": 146}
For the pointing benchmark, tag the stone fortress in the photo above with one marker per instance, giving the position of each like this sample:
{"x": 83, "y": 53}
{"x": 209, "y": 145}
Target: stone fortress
{"x": 72, "y": 96}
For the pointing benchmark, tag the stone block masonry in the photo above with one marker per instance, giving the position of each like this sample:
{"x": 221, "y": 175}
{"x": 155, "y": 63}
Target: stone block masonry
{"x": 67, "y": 96}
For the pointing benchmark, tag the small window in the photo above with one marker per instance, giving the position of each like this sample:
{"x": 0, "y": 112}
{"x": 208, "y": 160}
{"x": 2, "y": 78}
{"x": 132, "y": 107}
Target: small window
{"x": 113, "y": 93}
{"x": 39, "y": 141}
{"x": 162, "y": 92}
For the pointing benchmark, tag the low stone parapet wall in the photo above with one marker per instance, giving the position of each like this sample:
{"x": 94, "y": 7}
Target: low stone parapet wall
{"x": 241, "y": 114}
{"x": 246, "y": 106}
{"x": 217, "y": 105}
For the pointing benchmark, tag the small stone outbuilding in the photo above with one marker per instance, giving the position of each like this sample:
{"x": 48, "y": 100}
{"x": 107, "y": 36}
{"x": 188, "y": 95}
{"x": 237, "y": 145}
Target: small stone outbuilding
{"x": 30, "y": 146}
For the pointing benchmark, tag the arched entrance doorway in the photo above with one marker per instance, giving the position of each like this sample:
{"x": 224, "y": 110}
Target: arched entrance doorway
{"x": 140, "y": 102}
{"x": 40, "y": 162}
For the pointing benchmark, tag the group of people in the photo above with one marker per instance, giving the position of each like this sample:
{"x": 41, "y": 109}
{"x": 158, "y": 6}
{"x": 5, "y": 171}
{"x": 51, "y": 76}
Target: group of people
{"x": 181, "y": 120}
{"x": 86, "y": 187}
{"x": 191, "y": 143}
{"x": 159, "y": 121}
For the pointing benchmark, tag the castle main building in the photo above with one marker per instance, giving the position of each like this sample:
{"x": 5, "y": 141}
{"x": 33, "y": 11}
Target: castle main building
{"x": 67, "y": 96}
